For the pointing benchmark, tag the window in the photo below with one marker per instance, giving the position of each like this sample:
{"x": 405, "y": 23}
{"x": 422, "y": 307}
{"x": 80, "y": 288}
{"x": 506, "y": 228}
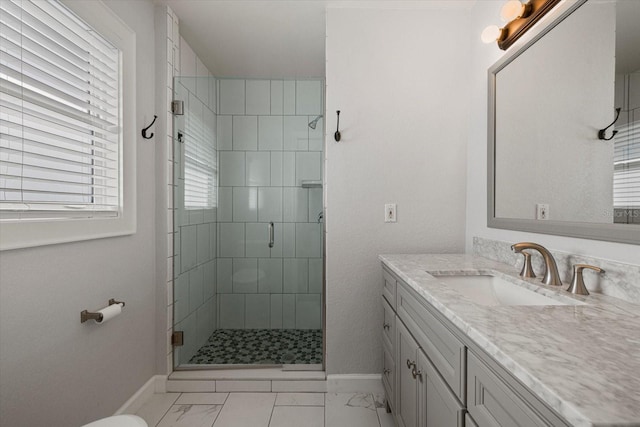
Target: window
{"x": 62, "y": 139}
{"x": 626, "y": 173}
{"x": 200, "y": 170}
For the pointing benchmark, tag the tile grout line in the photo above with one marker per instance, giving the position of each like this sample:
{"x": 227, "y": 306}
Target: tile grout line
{"x": 221, "y": 408}
{"x": 272, "y": 407}
{"x": 168, "y": 409}
{"x": 376, "y": 409}
{"x": 324, "y": 412}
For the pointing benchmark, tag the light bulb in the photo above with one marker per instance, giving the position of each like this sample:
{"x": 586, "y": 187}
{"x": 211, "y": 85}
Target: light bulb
{"x": 511, "y": 10}
{"x": 491, "y": 34}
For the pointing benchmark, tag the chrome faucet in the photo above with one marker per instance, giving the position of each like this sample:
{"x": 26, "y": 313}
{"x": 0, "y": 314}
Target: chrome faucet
{"x": 551, "y": 276}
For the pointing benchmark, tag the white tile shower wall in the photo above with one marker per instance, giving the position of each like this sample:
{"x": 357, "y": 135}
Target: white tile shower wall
{"x": 193, "y": 240}
{"x": 266, "y": 149}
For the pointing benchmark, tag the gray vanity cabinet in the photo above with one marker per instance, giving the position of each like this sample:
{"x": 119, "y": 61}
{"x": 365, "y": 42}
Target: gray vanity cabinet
{"x": 406, "y": 384}
{"x": 493, "y": 403}
{"x": 423, "y": 399}
{"x": 388, "y": 353}
{"x": 388, "y": 326}
{"x": 432, "y": 370}
{"x": 445, "y": 351}
{"x": 389, "y": 287}
{"x": 389, "y": 377}
{"x": 437, "y": 404}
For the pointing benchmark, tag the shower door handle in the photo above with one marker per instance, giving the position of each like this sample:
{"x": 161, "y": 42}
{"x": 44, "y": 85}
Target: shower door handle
{"x": 271, "y": 235}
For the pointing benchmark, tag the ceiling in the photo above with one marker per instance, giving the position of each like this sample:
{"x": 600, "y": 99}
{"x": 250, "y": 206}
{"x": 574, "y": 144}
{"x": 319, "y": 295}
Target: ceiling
{"x": 286, "y": 38}
{"x": 270, "y": 38}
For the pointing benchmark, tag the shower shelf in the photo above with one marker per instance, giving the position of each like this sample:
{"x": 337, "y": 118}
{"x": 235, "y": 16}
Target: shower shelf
{"x": 311, "y": 184}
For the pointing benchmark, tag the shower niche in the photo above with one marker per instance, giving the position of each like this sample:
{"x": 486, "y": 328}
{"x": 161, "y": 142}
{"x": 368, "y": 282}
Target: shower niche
{"x": 248, "y": 223}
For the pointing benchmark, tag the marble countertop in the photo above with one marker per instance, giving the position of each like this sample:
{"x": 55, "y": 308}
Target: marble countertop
{"x": 581, "y": 360}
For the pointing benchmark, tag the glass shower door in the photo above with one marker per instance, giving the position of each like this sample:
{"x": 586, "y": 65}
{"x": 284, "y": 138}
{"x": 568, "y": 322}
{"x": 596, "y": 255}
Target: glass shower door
{"x": 195, "y": 176}
{"x": 260, "y": 302}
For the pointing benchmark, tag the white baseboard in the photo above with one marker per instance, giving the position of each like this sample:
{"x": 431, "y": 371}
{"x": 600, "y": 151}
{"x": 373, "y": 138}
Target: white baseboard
{"x": 161, "y": 383}
{"x": 156, "y": 384}
{"x": 355, "y": 383}
{"x": 351, "y": 383}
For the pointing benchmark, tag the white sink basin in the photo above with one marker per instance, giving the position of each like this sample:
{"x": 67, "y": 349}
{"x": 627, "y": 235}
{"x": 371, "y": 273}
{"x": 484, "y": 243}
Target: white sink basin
{"x": 493, "y": 291}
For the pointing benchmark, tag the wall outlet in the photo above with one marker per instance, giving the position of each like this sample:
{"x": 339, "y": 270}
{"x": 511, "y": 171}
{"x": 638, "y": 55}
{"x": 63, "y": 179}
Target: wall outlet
{"x": 390, "y": 212}
{"x": 542, "y": 211}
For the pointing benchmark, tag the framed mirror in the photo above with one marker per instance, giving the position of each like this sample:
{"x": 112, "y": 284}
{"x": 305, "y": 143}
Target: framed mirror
{"x": 548, "y": 170}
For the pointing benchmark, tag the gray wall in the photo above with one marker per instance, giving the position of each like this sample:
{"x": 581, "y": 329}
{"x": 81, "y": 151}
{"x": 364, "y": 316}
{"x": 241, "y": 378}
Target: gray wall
{"x": 55, "y": 371}
{"x": 401, "y": 86}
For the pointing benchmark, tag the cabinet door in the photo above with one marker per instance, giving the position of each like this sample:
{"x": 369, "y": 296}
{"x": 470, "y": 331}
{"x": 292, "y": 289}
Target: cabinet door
{"x": 388, "y": 377}
{"x": 468, "y": 421}
{"x": 446, "y": 352}
{"x": 437, "y": 405}
{"x": 388, "y": 324}
{"x": 492, "y": 403}
{"x": 406, "y": 384}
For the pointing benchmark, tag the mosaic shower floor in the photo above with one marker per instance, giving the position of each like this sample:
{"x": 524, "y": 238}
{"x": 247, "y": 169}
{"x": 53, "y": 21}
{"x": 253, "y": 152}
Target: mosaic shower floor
{"x": 261, "y": 346}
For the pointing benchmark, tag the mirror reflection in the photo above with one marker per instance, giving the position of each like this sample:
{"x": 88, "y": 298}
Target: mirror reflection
{"x": 550, "y": 103}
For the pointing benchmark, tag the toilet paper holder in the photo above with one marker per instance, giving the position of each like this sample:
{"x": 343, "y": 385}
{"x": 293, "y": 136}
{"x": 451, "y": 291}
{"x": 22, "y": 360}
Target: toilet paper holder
{"x": 87, "y": 315}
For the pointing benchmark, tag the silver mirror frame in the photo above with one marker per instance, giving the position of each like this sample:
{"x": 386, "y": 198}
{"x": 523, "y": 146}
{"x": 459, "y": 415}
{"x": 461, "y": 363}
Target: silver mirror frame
{"x": 623, "y": 233}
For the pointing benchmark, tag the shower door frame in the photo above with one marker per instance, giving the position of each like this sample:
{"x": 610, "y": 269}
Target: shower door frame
{"x": 284, "y": 367}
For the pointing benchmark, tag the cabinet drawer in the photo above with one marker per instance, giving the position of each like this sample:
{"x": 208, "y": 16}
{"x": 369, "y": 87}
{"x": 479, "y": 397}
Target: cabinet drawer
{"x": 492, "y": 403}
{"x": 445, "y": 351}
{"x": 389, "y": 376}
{"x": 388, "y": 324}
{"x": 389, "y": 287}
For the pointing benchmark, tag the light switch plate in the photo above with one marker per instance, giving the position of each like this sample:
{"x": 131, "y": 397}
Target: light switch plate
{"x": 390, "y": 212}
{"x": 542, "y": 211}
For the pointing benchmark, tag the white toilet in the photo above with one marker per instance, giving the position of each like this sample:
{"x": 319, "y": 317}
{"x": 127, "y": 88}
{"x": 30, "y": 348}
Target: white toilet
{"x": 119, "y": 421}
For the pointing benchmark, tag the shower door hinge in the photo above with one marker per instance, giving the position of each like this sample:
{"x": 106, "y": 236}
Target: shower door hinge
{"x": 177, "y": 108}
{"x": 177, "y": 339}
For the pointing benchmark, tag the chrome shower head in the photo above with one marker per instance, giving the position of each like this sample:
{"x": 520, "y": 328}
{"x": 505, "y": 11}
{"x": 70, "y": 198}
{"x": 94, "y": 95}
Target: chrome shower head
{"x": 314, "y": 122}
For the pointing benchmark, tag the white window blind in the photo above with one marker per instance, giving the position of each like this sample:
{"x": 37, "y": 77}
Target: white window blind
{"x": 200, "y": 164}
{"x": 626, "y": 160}
{"x": 60, "y": 115}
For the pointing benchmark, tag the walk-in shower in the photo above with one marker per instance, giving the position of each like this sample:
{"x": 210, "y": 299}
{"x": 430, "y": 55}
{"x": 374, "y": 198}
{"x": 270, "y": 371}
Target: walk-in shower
{"x": 248, "y": 238}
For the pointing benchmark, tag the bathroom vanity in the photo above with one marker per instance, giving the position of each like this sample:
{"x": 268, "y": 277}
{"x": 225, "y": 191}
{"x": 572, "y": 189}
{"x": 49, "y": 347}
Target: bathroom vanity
{"x": 452, "y": 357}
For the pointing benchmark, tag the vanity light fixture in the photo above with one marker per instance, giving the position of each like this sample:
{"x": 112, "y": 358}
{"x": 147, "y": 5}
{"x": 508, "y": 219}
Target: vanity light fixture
{"x": 519, "y": 17}
{"x": 514, "y": 9}
{"x": 493, "y": 34}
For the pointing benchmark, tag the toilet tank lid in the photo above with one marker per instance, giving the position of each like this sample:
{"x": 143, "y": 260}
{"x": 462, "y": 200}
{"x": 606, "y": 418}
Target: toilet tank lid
{"x": 119, "y": 421}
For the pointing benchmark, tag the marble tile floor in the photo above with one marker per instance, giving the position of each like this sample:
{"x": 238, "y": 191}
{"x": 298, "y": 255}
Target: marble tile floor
{"x": 266, "y": 410}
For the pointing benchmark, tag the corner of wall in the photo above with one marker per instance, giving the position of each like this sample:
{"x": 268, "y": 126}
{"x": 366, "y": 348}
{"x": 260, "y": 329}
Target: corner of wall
{"x": 166, "y": 26}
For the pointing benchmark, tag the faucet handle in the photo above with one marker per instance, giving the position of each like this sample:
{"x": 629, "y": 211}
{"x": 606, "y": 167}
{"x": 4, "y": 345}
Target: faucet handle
{"x": 527, "y": 269}
{"x": 577, "y": 283}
